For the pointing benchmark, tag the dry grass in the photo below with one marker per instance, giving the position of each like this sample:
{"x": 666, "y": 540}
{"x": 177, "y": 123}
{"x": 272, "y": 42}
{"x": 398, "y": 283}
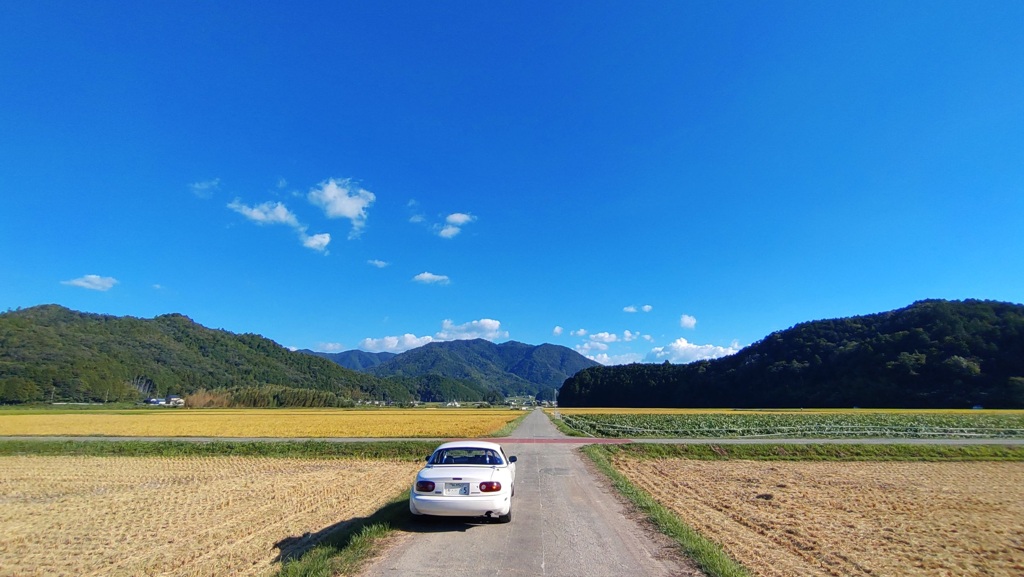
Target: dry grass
{"x": 290, "y": 423}
{"x": 126, "y": 516}
{"x": 854, "y": 518}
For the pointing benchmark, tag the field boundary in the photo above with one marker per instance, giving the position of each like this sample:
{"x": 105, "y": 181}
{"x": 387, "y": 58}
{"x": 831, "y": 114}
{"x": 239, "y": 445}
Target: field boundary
{"x": 710, "y": 556}
{"x": 707, "y": 554}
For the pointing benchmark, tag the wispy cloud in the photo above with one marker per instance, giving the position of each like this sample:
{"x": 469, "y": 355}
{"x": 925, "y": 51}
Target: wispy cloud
{"x": 277, "y": 213}
{"x": 330, "y": 347}
{"x": 688, "y": 322}
{"x": 205, "y": 188}
{"x": 636, "y": 309}
{"x": 377, "y": 263}
{"x": 604, "y": 337}
{"x": 92, "y": 282}
{"x": 578, "y": 333}
{"x": 266, "y": 213}
{"x": 343, "y": 198}
{"x": 431, "y": 278}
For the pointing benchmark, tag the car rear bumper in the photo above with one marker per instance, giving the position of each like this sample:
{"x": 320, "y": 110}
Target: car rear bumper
{"x": 463, "y": 506}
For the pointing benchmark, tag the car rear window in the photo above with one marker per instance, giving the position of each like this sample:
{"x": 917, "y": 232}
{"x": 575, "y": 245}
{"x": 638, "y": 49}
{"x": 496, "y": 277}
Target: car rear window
{"x": 466, "y": 456}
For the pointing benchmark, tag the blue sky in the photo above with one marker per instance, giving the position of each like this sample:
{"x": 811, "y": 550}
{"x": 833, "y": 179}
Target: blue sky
{"x": 638, "y": 181}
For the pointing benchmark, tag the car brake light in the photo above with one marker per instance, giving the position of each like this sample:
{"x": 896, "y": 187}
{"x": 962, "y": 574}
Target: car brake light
{"x": 424, "y": 486}
{"x": 490, "y": 486}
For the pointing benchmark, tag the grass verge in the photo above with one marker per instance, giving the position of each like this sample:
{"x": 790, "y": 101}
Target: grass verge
{"x": 708, "y": 555}
{"x": 510, "y": 426}
{"x": 403, "y": 450}
{"x": 561, "y": 426}
{"x": 346, "y": 550}
{"x": 825, "y": 452}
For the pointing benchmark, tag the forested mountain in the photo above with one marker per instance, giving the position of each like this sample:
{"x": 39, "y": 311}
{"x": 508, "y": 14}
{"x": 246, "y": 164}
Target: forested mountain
{"x": 932, "y": 354}
{"x": 50, "y": 352}
{"x": 511, "y": 368}
{"x": 356, "y": 360}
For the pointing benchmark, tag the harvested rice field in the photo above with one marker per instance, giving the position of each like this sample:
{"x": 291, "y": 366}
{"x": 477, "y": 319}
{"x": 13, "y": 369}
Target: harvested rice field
{"x": 178, "y": 516}
{"x": 288, "y": 423}
{"x": 783, "y": 518}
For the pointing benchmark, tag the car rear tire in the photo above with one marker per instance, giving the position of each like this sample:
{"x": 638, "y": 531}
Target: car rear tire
{"x": 506, "y": 518}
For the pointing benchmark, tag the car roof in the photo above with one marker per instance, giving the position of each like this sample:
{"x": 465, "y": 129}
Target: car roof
{"x": 470, "y": 445}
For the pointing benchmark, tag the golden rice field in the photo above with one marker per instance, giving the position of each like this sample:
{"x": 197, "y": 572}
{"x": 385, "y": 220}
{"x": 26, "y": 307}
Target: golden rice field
{"x": 289, "y": 423}
{"x": 825, "y": 519}
{"x": 178, "y": 516}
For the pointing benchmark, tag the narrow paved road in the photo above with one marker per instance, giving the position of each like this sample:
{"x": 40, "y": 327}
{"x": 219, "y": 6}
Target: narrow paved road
{"x": 566, "y": 521}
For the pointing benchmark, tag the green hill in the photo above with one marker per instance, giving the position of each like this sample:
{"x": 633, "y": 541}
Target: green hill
{"x": 512, "y": 368}
{"x": 50, "y": 352}
{"x": 932, "y": 354}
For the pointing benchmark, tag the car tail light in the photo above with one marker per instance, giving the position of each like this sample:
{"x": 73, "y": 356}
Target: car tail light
{"x": 490, "y": 486}
{"x": 425, "y": 486}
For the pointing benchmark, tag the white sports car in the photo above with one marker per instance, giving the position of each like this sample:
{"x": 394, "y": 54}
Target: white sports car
{"x": 466, "y": 479}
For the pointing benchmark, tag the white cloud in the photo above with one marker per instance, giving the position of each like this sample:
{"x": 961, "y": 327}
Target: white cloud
{"x": 431, "y": 278}
{"x": 604, "y": 337}
{"x": 647, "y": 308}
{"x": 205, "y": 188}
{"x": 449, "y": 231}
{"x": 630, "y": 336}
{"x": 606, "y": 359}
{"x": 634, "y": 308}
{"x": 342, "y": 198}
{"x": 579, "y": 333}
{"x": 317, "y": 241}
{"x": 394, "y": 344}
{"x": 629, "y": 309}
{"x": 92, "y": 282}
{"x": 587, "y": 347}
{"x": 557, "y": 330}
{"x": 682, "y": 351}
{"x": 331, "y": 347}
{"x": 489, "y": 329}
{"x": 687, "y": 322}
{"x": 266, "y": 213}
{"x": 459, "y": 218}
{"x": 278, "y": 213}
{"x": 454, "y": 223}
{"x": 377, "y": 263}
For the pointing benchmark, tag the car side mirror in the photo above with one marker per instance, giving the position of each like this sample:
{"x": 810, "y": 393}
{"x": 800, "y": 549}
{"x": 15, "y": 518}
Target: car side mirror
{"x": 428, "y": 458}
{"x": 512, "y": 459}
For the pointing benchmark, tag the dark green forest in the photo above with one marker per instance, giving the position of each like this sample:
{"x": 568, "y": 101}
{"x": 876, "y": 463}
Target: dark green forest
{"x": 932, "y": 354}
{"x": 53, "y": 353}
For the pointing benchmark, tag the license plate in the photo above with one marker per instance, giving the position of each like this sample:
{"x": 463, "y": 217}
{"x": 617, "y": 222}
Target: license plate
{"x": 456, "y": 488}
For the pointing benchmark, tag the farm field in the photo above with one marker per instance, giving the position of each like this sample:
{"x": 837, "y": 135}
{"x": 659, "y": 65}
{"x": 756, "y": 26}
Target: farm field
{"x": 688, "y": 423}
{"x": 782, "y": 518}
{"x": 178, "y": 516}
{"x": 287, "y": 423}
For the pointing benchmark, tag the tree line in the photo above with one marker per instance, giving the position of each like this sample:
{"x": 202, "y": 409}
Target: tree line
{"x": 932, "y": 354}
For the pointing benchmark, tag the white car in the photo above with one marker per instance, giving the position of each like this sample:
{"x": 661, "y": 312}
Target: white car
{"x": 466, "y": 479}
